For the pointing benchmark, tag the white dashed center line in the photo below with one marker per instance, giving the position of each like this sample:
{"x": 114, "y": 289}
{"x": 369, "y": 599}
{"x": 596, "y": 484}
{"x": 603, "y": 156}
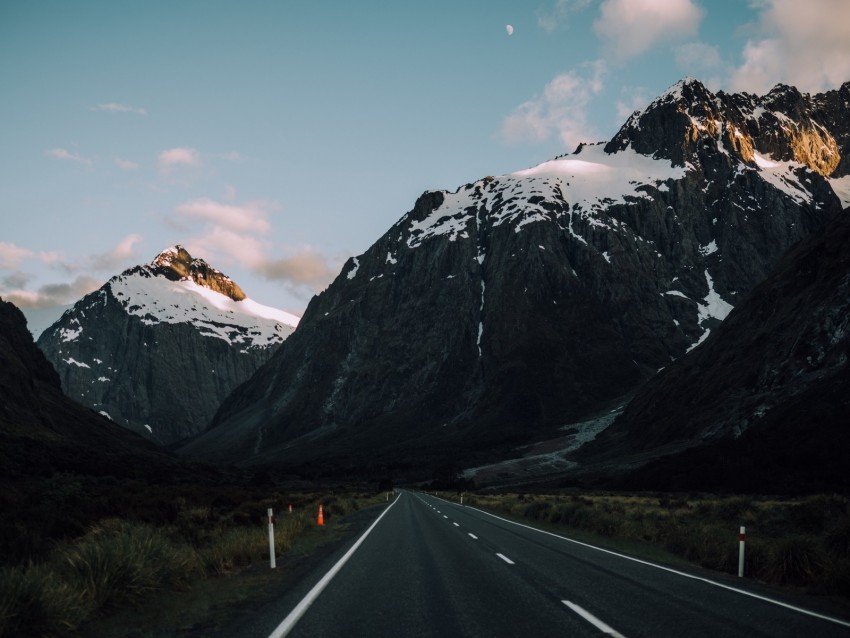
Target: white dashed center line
{"x": 473, "y": 536}
{"x": 593, "y": 620}
{"x": 505, "y": 558}
{"x": 455, "y": 524}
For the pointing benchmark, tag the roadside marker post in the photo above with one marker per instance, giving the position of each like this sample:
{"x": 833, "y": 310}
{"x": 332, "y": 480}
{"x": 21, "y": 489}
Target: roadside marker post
{"x": 741, "y": 540}
{"x": 272, "y": 563}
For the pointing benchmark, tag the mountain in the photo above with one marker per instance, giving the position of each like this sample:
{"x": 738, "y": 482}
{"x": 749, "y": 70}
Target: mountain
{"x": 765, "y": 399}
{"x": 493, "y": 315}
{"x": 43, "y": 432}
{"x": 158, "y": 347}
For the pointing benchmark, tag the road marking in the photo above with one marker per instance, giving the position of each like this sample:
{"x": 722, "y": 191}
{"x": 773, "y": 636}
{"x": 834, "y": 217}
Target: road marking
{"x": 593, "y": 620}
{"x": 455, "y": 524}
{"x": 505, "y": 558}
{"x": 473, "y": 536}
{"x": 444, "y": 516}
{"x": 744, "y": 592}
{"x": 295, "y": 615}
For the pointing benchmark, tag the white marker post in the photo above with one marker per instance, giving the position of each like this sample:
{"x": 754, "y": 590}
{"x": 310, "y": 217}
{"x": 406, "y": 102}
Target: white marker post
{"x": 272, "y": 563}
{"x": 741, "y": 537}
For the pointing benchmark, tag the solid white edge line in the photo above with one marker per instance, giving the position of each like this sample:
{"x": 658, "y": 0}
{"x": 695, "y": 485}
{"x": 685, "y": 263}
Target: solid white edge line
{"x": 773, "y": 601}
{"x": 593, "y": 620}
{"x": 295, "y": 615}
{"x": 505, "y": 558}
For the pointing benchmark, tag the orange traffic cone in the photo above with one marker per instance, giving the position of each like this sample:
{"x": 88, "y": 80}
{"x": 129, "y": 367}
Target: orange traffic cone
{"x": 321, "y": 520}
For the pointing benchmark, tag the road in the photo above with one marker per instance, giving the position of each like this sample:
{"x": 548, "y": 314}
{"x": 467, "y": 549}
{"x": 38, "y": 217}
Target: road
{"x": 428, "y": 567}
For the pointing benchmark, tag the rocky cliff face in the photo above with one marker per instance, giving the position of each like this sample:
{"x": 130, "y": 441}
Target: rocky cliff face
{"x": 521, "y": 302}
{"x": 766, "y": 397}
{"x": 158, "y": 347}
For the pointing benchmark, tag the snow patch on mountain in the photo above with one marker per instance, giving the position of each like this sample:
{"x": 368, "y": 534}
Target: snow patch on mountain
{"x": 712, "y": 307}
{"x": 69, "y": 334}
{"x": 588, "y": 182}
{"x": 157, "y": 299}
{"x": 841, "y": 187}
{"x": 782, "y": 176}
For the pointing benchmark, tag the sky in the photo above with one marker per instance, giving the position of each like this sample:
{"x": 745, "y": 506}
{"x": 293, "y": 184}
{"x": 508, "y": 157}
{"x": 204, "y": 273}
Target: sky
{"x": 276, "y": 139}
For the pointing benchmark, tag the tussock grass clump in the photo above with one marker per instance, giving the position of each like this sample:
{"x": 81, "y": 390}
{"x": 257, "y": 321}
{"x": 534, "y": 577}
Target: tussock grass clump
{"x": 119, "y": 562}
{"x": 163, "y": 544}
{"x": 35, "y": 602}
{"x": 796, "y": 560}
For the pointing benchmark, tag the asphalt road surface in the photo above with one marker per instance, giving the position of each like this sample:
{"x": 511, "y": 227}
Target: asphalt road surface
{"x": 428, "y": 567}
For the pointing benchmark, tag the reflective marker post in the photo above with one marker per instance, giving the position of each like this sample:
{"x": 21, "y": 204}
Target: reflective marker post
{"x": 741, "y": 537}
{"x": 272, "y": 563}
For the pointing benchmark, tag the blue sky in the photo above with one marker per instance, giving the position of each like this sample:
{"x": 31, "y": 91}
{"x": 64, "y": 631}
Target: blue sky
{"x": 276, "y": 139}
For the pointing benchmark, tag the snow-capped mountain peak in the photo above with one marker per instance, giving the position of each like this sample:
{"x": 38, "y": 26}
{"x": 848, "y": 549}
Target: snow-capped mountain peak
{"x": 159, "y": 346}
{"x": 176, "y": 288}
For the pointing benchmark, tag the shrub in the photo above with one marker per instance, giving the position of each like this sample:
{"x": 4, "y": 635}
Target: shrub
{"x": 796, "y": 560}
{"x": 118, "y": 562}
{"x": 536, "y": 510}
{"x": 33, "y": 601}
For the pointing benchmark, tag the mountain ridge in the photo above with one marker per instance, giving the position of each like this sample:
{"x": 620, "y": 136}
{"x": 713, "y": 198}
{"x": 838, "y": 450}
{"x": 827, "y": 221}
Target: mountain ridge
{"x": 532, "y": 299}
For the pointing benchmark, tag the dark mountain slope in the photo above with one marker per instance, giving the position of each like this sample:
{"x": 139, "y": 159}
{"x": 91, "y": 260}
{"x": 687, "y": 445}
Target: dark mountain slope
{"x": 43, "y": 432}
{"x": 769, "y": 392}
{"x": 494, "y": 314}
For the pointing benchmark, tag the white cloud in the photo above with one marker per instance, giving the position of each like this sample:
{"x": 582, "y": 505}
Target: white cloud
{"x": 16, "y": 279}
{"x": 305, "y": 266}
{"x": 251, "y": 217}
{"x": 631, "y": 27}
{"x": 112, "y": 107}
{"x": 65, "y": 154}
{"x": 806, "y": 44}
{"x": 11, "y": 255}
{"x": 551, "y": 18}
{"x": 51, "y": 295}
{"x": 177, "y": 157}
{"x": 127, "y": 165}
{"x": 238, "y": 234}
{"x": 302, "y": 267}
{"x": 560, "y": 111}
{"x": 118, "y": 256}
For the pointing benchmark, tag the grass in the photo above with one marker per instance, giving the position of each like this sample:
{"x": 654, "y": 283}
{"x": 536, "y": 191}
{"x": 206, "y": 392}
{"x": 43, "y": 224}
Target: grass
{"x": 121, "y": 562}
{"x": 804, "y": 543}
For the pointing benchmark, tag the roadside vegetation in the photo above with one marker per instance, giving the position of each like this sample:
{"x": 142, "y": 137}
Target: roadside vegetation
{"x": 83, "y": 549}
{"x": 801, "y": 542}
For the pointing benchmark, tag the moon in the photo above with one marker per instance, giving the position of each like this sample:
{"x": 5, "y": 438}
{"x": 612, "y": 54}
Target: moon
{"x": 509, "y": 29}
